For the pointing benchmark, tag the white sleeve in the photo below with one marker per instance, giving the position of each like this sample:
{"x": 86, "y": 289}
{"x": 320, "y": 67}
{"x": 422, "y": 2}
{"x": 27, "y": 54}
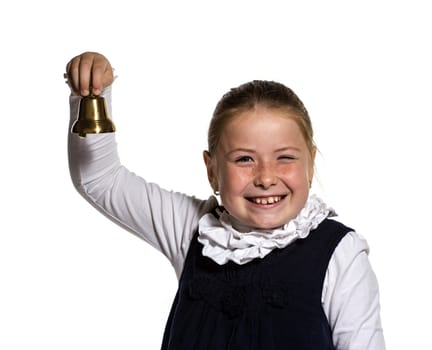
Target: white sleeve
{"x": 167, "y": 220}
{"x": 351, "y": 297}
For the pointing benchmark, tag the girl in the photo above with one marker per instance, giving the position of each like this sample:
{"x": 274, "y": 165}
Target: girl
{"x": 266, "y": 268}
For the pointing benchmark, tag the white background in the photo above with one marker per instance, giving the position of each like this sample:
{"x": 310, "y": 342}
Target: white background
{"x": 70, "y": 279}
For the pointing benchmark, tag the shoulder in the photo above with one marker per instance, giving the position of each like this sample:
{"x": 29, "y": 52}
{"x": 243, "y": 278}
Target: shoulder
{"x": 351, "y": 245}
{"x": 350, "y": 240}
{"x": 349, "y": 259}
{"x": 334, "y": 225}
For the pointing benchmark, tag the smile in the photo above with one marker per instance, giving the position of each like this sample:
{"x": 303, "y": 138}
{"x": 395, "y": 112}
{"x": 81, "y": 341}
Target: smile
{"x": 265, "y": 200}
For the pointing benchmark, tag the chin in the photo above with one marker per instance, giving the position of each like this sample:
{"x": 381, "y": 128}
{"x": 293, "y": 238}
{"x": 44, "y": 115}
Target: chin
{"x": 269, "y": 225}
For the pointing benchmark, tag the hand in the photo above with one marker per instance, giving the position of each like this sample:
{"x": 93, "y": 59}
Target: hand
{"x": 89, "y": 70}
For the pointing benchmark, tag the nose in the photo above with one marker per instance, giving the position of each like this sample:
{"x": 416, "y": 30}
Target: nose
{"x": 265, "y": 176}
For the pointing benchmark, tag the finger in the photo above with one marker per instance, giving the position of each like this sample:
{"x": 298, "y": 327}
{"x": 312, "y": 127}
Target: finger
{"x": 101, "y": 72}
{"x": 108, "y": 77}
{"x": 85, "y": 73}
{"x": 72, "y": 70}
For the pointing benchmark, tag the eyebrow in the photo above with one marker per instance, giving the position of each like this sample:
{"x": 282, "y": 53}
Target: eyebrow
{"x": 279, "y": 150}
{"x": 247, "y": 150}
{"x": 289, "y": 148}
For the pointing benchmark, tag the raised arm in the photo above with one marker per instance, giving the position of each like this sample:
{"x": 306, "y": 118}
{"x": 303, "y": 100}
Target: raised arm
{"x": 167, "y": 220}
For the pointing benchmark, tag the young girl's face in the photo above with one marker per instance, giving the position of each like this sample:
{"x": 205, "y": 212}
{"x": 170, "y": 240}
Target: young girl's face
{"x": 262, "y": 168}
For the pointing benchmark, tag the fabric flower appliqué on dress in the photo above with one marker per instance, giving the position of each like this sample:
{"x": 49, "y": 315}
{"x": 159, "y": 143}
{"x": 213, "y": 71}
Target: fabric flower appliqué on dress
{"x": 222, "y": 242}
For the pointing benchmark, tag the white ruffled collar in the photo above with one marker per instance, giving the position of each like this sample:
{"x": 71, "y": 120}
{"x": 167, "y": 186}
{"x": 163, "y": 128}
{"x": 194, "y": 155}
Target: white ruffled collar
{"x": 222, "y": 242}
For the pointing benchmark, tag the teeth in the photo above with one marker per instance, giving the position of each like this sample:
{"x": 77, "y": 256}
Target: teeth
{"x": 268, "y": 200}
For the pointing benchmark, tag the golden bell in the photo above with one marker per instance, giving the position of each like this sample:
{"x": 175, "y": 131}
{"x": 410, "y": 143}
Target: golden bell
{"x": 93, "y": 117}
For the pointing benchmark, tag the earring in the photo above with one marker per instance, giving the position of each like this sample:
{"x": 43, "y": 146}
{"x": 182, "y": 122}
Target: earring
{"x": 216, "y": 193}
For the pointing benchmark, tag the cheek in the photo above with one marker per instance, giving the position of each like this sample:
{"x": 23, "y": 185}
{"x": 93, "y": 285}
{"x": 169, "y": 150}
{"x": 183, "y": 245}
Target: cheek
{"x": 297, "y": 175}
{"x": 233, "y": 179}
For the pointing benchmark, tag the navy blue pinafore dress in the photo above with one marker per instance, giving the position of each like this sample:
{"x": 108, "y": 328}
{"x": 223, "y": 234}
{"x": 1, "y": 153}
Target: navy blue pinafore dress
{"x": 267, "y": 304}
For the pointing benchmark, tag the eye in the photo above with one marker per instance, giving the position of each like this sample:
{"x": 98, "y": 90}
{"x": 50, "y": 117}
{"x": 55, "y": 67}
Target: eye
{"x": 244, "y": 159}
{"x": 287, "y": 157}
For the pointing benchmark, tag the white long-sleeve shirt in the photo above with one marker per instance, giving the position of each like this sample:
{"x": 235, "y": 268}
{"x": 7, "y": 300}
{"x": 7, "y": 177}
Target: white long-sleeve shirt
{"x": 167, "y": 220}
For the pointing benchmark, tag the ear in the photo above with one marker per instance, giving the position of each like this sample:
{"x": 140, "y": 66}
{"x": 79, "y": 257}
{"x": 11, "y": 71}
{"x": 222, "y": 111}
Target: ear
{"x": 312, "y": 164}
{"x": 209, "y": 162}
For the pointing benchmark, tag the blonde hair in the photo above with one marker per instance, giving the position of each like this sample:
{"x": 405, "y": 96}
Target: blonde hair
{"x": 256, "y": 93}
